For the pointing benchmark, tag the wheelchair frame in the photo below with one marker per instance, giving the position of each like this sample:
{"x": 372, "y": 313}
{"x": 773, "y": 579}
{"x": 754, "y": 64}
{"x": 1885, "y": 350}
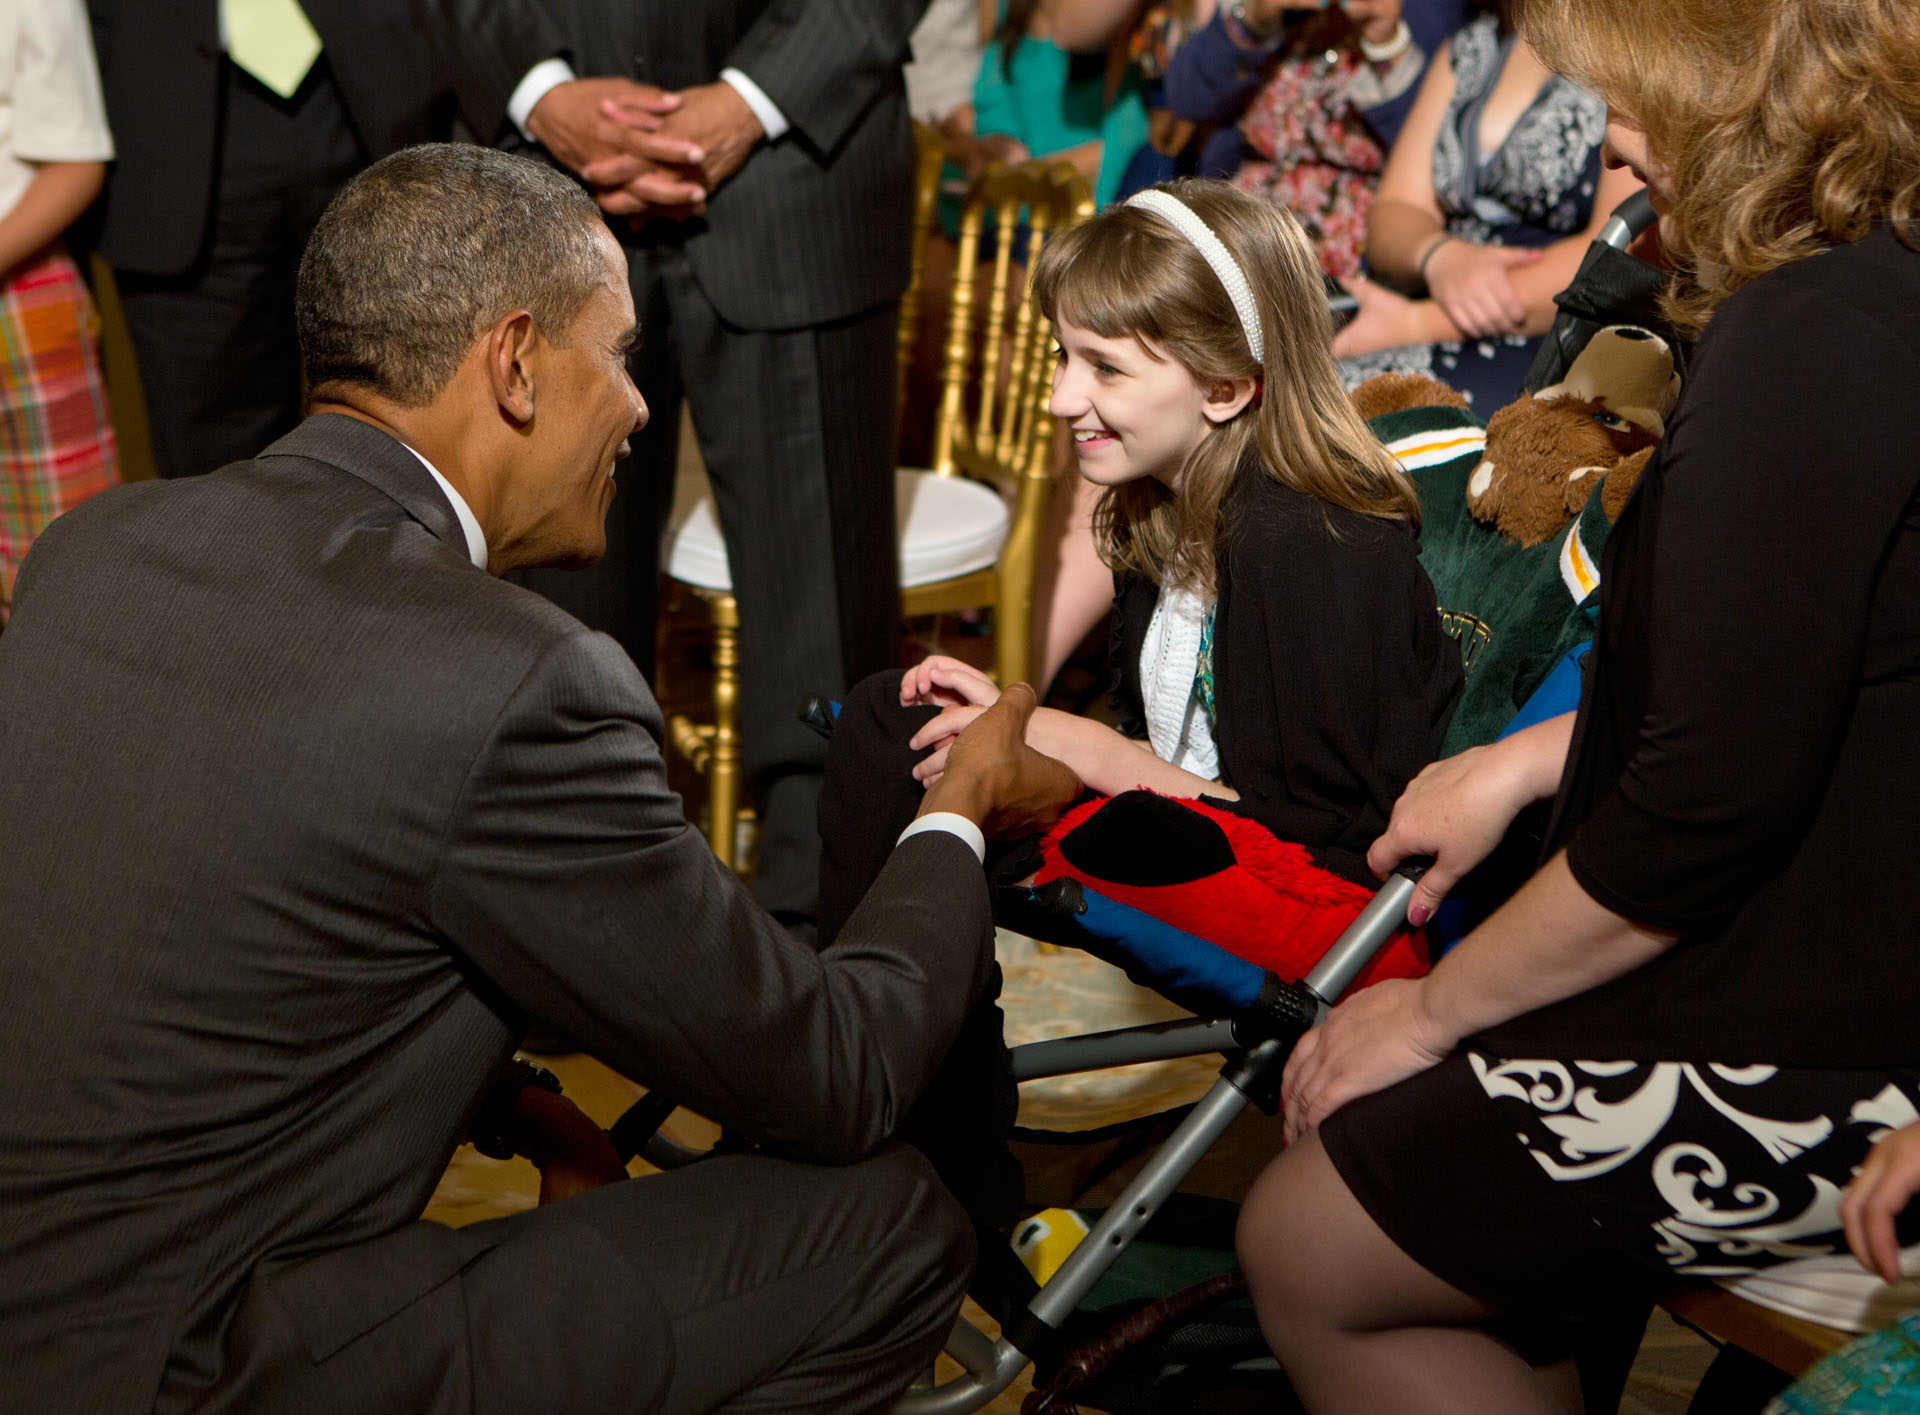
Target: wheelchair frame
{"x": 1256, "y": 1049}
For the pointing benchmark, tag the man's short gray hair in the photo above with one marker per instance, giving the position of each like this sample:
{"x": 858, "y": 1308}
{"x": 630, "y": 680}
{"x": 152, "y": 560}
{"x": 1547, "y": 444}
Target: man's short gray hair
{"x": 425, "y": 249}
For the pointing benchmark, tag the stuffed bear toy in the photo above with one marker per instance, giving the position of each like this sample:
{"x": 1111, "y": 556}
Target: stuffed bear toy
{"x": 1514, "y": 515}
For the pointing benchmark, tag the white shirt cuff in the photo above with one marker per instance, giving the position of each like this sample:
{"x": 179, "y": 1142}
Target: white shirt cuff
{"x": 764, "y": 108}
{"x": 540, "y": 80}
{"x": 952, "y": 824}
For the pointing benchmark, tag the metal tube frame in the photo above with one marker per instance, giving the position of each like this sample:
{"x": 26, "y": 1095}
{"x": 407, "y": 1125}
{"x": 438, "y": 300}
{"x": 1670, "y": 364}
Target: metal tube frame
{"x": 992, "y": 1367}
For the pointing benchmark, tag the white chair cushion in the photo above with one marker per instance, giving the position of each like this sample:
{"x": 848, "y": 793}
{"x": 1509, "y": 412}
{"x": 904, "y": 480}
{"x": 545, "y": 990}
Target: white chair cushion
{"x": 948, "y": 526}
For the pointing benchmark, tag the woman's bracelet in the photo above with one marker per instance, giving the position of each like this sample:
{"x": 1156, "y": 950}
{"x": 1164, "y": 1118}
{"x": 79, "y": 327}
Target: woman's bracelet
{"x": 1395, "y": 45}
{"x": 1438, "y": 241}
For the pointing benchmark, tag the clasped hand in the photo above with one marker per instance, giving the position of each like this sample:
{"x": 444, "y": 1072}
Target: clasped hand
{"x": 646, "y": 152}
{"x": 993, "y": 777}
{"x": 962, "y": 691}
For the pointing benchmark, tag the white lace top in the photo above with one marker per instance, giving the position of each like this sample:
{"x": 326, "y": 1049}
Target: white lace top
{"x": 1169, "y": 661}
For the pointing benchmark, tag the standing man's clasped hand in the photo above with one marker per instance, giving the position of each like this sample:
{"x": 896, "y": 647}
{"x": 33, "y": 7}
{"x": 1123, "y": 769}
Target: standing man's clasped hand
{"x": 646, "y": 152}
{"x": 615, "y": 128}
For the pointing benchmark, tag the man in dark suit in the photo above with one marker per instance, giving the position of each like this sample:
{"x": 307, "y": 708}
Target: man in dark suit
{"x": 218, "y": 182}
{"x": 307, "y": 815}
{"x": 756, "y": 160}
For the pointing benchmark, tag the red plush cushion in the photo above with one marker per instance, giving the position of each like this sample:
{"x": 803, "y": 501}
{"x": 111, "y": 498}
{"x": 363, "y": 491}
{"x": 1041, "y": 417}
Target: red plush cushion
{"x": 1271, "y": 905}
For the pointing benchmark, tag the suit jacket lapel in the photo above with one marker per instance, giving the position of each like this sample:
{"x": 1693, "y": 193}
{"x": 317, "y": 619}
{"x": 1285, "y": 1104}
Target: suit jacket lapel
{"x": 379, "y": 460}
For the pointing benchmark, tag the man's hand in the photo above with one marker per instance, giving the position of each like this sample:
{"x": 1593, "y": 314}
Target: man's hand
{"x": 712, "y": 120}
{"x": 572, "y": 1153}
{"x": 996, "y": 780}
{"x": 611, "y": 132}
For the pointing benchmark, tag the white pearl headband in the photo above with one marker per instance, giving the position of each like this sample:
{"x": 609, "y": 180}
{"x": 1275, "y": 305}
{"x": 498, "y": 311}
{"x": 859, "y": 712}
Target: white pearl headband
{"x": 1187, "y": 222}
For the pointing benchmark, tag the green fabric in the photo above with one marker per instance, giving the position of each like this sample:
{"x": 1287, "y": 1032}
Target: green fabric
{"x": 1037, "y": 101}
{"x": 1507, "y": 605}
{"x": 1203, "y": 671}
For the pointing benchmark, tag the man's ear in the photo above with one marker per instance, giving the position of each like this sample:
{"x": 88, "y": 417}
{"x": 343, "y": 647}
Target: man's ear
{"x": 1226, "y": 398}
{"x": 510, "y": 347}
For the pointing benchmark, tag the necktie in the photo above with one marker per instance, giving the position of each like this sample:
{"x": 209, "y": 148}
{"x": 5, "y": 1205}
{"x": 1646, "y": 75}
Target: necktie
{"x": 271, "y": 39}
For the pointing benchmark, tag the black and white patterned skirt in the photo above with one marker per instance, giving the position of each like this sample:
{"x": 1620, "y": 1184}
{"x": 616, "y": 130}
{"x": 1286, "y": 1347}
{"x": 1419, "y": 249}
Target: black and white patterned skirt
{"x": 1711, "y": 1170}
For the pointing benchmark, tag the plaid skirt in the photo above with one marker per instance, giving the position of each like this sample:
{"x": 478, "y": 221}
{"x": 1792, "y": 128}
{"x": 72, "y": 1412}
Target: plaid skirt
{"x": 56, "y": 440}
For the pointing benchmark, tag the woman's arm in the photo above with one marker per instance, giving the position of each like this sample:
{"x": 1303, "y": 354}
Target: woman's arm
{"x": 54, "y": 199}
{"x": 1083, "y": 26}
{"x": 1406, "y": 213}
{"x": 1550, "y": 941}
{"x": 1478, "y": 291}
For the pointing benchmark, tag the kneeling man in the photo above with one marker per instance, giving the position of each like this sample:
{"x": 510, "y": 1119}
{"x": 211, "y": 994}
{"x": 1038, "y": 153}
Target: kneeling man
{"x": 306, "y": 815}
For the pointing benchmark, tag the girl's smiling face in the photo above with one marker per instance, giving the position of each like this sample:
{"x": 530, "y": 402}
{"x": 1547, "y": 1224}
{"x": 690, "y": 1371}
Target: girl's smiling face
{"x": 1135, "y": 410}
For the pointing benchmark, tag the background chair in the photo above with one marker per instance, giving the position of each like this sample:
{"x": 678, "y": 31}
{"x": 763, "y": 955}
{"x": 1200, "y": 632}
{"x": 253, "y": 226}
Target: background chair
{"x": 969, "y": 525}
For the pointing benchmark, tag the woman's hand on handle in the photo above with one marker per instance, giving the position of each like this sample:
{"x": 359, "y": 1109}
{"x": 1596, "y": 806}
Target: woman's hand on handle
{"x": 1458, "y": 808}
{"x": 1879, "y": 1192}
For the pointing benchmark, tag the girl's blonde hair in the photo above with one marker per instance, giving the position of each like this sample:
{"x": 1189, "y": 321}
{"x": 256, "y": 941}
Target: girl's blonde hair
{"x": 1786, "y": 126}
{"x": 1128, "y": 274}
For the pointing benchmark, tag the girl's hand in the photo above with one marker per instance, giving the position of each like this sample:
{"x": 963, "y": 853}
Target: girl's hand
{"x": 940, "y": 732}
{"x": 1380, "y": 1035}
{"x": 1471, "y": 283}
{"x": 939, "y": 681}
{"x": 1383, "y": 319}
{"x": 1889, "y": 1178}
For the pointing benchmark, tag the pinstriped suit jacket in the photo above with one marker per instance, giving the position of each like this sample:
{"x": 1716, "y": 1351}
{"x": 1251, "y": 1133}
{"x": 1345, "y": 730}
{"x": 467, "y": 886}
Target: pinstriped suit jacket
{"x": 304, "y": 816}
{"x": 814, "y": 227}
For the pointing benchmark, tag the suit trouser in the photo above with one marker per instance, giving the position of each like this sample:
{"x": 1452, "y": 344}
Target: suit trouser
{"x": 219, "y": 360}
{"x": 741, "y": 1284}
{"x": 964, "y": 1117}
{"x": 797, "y": 430}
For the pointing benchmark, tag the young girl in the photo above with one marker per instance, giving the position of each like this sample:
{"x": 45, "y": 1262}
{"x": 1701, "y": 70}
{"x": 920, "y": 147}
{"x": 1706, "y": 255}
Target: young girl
{"x": 1276, "y": 643}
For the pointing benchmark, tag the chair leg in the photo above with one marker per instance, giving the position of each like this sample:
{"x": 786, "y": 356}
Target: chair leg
{"x": 723, "y": 767}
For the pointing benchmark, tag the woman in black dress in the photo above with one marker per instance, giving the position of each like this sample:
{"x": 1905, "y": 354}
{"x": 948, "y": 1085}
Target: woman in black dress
{"x": 1666, "y": 1056}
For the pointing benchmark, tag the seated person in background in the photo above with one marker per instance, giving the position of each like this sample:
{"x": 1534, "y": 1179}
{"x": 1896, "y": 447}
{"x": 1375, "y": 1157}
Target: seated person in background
{"x": 308, "y": 815}
{"x": 1034, "y": 99}
{"x": 56, "y": 439}
{"x": 1489, "y": 200}
{"x": 1666, "y": 1056}
{"x": 1308, "y": 100}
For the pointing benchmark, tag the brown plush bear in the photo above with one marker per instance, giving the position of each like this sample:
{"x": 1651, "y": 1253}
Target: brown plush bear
{"x": 1544, "y": 452}
{"x": 1514, "y": 514}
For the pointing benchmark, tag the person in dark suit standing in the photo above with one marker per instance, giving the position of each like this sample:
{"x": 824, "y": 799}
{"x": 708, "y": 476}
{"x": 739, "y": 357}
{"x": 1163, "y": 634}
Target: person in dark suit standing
{"x": 755, "y": 158}
{"x": 308, "y": 816}
{"x": 222, "y": 171}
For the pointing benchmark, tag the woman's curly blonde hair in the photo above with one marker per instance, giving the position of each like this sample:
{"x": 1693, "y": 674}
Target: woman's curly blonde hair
{"x": 1786, "y": 126}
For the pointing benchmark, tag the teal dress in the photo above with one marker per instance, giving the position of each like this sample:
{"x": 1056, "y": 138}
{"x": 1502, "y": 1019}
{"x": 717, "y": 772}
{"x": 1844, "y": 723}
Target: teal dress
{"x": 1049, "y": 101}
